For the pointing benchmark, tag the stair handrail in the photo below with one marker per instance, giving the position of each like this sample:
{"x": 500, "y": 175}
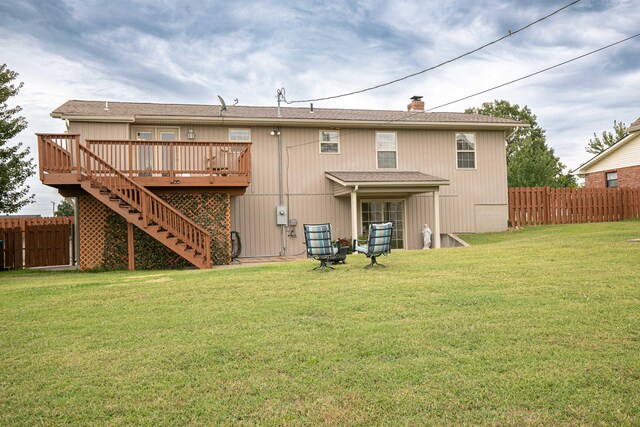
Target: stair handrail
{"x": 144, "y": 203}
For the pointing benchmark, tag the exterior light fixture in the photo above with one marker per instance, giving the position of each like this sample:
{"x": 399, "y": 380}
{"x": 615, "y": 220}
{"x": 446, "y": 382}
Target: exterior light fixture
{"x": 275, "y": 132}
{"x": 191, "y": 134}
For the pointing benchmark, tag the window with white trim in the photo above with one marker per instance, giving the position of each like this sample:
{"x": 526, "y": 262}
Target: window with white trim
{"x": 612, "y": 179}
{"x": 329, "y": 142}
{"x": 386, "y": 150}
{"x": 239, "y": 135}
{"x": 466, "y": 150}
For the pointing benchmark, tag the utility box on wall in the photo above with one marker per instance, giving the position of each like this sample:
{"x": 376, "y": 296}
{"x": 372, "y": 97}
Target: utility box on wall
{"x": 281, "y": 215}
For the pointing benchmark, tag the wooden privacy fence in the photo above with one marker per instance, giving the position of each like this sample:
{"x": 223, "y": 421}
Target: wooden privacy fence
{"x": 545, "y": 205}
{"x": 36, "y": 242}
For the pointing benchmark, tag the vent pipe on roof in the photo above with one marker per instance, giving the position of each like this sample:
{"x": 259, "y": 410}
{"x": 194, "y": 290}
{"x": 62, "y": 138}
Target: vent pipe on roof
{"x": 106, "y": 105}
{"x": 281, "y": 97}
{"x": 311, "y": 110}
{"x": 417, "y": 104}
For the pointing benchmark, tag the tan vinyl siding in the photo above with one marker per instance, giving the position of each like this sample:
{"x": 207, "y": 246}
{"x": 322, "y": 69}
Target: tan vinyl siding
{"x": 103, "y": 131}
{"x": 254, "y": 216}
{"x": 309, "y": 195}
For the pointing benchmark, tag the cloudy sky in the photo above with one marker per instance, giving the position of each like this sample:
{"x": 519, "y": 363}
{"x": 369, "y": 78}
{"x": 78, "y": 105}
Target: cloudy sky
{"x": 191, "y": 51}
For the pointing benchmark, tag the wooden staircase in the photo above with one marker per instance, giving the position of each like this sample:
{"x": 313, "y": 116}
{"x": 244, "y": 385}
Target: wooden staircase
{"x": 144, "y": 209}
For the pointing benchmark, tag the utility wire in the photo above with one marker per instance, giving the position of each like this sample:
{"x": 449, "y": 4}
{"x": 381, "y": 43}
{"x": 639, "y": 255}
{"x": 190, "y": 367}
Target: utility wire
{"x": 509, "y": 34}
{"x": 414, "y": 113}
{"x": 533, "y": 74}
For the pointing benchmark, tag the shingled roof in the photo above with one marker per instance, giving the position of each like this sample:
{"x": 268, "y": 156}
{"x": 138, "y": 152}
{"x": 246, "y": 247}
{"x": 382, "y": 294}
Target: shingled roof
{"x": 349, "y": 177}
{"x": 134, "y": 111}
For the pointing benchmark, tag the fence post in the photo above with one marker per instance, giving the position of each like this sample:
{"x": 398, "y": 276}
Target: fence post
{"x": 547, "y": 205}
{"x": 510, "y": 205}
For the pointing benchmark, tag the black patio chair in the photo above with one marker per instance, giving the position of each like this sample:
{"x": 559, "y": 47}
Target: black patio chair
{"x": 317, "y": 237}
{"x": 378, "y": 243}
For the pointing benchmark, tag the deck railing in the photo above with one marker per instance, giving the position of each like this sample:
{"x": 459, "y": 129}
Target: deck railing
{"x": 57, "y": 153}
{"x": 154, "y": 210}
{"x": 172, "y": 159}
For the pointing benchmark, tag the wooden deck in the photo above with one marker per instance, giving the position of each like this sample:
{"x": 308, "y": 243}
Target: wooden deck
{"x": 169, "y": 164}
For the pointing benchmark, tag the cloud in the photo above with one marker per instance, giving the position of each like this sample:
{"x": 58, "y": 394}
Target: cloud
{"x": 165, "y": 51}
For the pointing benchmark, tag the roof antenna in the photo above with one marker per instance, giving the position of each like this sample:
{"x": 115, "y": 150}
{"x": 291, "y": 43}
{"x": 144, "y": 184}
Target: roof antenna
{"x": 106, "y": 105}
{"x": 223, "y": 105}
{"x": 280, "y": 95}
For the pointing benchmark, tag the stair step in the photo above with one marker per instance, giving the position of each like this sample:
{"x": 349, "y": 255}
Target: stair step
{"x": 132, "y": 215}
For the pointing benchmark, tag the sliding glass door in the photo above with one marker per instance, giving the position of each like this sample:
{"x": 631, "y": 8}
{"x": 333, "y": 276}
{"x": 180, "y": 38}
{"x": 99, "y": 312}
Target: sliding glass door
{"x": 380, "y": 211}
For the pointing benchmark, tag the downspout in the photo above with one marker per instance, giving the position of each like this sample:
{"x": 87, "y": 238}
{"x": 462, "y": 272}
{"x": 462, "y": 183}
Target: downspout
{"x": 511, "y": 134}
{"x": 283, "y": 228}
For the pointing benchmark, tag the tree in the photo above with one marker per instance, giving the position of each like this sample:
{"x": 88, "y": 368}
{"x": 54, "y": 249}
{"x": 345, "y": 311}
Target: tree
{"x": 530, "y": 161}
{"x": 15, "y": 165}
{"x": 65, "y": 208}
{"x": 597, "y": 145}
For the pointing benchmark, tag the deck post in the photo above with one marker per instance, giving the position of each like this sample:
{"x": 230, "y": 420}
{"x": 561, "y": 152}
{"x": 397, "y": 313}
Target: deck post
{"x": 130, "y": 160}
{"x": 41, "y": 146}
{"x": 210, "y": 163}
{"x": 354, "y": 217}
{"x": 436, "y": 219}
{"x": 78, "y": 158}
{"x": 132, "y": 262}
{"x": 172, "y": 174}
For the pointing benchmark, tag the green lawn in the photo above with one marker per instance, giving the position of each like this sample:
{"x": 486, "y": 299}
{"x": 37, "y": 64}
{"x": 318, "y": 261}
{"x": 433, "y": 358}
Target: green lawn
{"x": 536, "y": 326}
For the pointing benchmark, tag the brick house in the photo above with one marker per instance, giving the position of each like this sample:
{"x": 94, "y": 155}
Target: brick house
{"x": 616, "y": 167}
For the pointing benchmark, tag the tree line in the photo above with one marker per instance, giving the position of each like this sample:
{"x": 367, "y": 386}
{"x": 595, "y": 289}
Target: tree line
{"x": 530, "y": 161}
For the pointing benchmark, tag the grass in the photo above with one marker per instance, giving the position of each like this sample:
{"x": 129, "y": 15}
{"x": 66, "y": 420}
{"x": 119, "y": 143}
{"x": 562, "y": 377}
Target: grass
{"x": 535, "y": 326}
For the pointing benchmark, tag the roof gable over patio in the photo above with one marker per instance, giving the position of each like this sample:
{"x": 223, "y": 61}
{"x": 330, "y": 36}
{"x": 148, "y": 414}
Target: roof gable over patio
{"x": 384, "y": 182}
{"x": 387, "y": 183}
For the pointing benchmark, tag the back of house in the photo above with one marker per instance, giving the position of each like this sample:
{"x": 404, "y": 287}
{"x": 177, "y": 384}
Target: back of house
{"x": 265, "y": 171}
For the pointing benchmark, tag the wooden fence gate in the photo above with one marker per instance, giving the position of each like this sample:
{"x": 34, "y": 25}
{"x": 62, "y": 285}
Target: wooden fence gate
{"x": 545, "y": 205}
{"x": 36, "y": 242}
{"x": 11, "y": 256}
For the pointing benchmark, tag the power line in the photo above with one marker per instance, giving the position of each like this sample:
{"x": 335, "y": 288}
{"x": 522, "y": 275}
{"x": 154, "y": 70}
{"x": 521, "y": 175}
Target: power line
{"x": 414, "y": 113}
{"x": 509, "y": 34}
{"x": 535, "y": 73}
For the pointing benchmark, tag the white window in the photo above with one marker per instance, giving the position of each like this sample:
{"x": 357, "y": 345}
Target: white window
{"x": 386, "y": 150}
{"x": 612, "y": 179}
{"x": 240, "y": 135}
{"x": 329, "y": 142}
{"x": 466, "y": 150}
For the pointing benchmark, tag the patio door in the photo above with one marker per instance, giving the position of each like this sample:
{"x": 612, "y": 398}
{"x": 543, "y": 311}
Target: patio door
{"x": 153, "y": 157}
{"x": 380, "y": 211}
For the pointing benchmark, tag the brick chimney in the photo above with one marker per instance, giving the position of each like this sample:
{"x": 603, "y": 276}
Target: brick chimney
{"x": 417, "y": 104}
